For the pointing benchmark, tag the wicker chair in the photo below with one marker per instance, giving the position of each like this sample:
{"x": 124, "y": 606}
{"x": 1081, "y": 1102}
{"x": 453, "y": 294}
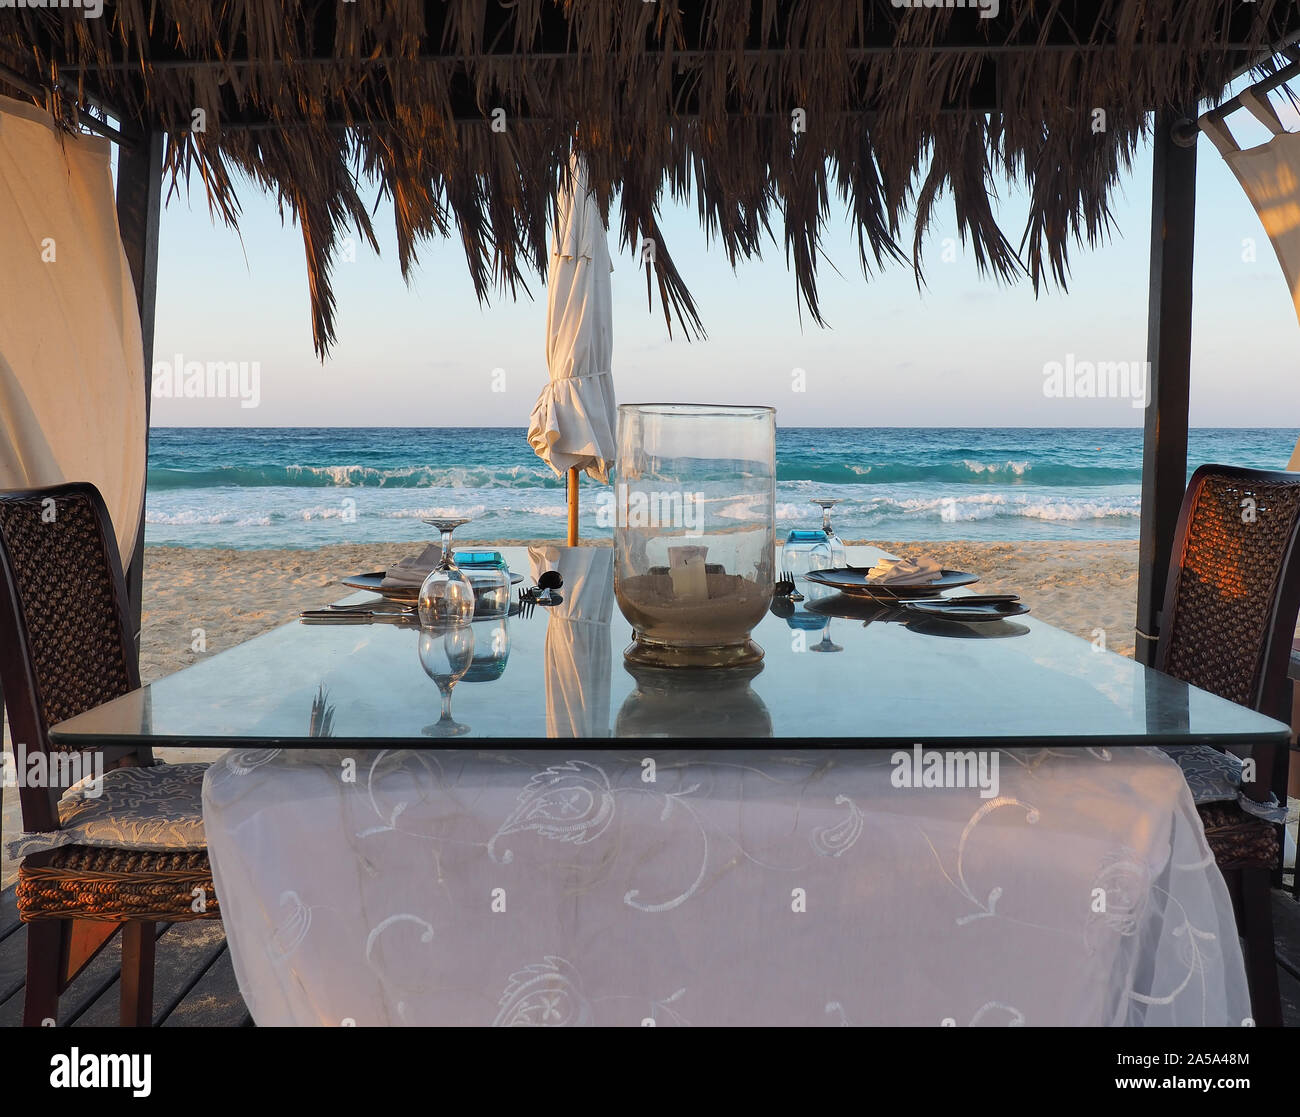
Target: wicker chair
{"x": 65, "y": 646}
{"x": 1227, "y": 626}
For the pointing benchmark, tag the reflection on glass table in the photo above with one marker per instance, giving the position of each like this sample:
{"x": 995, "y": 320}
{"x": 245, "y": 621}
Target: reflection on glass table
{"x": 827, "y": 644}
{"x": 491, "y": 649}
{"x": 322, "y": 715}
{"x": 446, "y": 655}
{"x": 577, "y": 653}
{"x": 668, "y": 702}
{"x": 802, "y": 620}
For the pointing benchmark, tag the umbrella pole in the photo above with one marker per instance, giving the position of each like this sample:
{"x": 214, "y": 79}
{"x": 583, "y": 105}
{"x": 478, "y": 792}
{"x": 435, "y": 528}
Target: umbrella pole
{"x": 573, "y": 506}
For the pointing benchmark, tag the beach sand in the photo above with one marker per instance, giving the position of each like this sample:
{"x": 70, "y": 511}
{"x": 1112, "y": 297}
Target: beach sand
{"x": 197, "y": 602}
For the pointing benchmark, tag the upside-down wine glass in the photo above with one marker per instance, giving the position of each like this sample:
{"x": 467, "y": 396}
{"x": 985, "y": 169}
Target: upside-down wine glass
{"x": 839, "y": 552}
{"x": 446, "y": 597}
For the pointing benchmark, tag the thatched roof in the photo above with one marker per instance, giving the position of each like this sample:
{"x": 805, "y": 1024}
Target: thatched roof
{"x": 902, "y": 105}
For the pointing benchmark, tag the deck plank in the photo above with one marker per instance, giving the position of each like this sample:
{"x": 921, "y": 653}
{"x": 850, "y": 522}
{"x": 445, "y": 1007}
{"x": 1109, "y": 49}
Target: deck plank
{"x": 96, "y": 981}
{"x": 1289, "y": 987}
{"x": 1286, "y": 938}
{"x": 184, "y": 951}
{"x": 13, "y": 951}
{"x": 9, "y": 921}
{"x": 1286, "y": 931}
{"x": 214, "y": 1002}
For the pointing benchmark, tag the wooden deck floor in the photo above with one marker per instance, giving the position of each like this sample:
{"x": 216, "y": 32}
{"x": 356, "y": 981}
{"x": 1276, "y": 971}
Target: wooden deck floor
{"x": 1286, "y": 936}
{"x": 194, "y": 982}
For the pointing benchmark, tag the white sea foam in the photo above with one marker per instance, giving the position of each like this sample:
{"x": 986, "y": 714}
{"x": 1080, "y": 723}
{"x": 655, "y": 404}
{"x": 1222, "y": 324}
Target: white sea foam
{"x": 190, "y": 516}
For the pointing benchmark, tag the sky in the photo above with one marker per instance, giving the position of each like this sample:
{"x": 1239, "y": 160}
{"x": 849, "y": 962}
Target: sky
{"x": 962, "y": 351}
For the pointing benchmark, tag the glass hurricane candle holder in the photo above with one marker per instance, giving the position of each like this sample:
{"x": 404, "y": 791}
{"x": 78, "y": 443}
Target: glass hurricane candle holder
{"x": 694, "y": 531}
{"x": 489, "y": 578}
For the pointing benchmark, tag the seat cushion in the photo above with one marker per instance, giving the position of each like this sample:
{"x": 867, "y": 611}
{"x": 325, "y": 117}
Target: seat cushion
{"x": 1215, "y": 777}
{"x": 159, "y": 808}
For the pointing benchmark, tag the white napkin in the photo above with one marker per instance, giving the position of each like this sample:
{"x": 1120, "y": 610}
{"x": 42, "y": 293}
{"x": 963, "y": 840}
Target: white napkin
{"x": 904, "y": 572}
{"x": 411, "y": 572}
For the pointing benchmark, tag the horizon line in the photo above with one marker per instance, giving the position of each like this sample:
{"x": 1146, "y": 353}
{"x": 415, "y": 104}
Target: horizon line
{"x": 792, "y": 426}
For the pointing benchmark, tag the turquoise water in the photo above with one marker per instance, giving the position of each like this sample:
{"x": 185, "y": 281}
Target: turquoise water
{"x": 288, "y": 487}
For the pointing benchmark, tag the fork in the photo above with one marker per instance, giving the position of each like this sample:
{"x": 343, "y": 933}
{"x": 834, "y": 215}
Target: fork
{"x": 785, "y": 587}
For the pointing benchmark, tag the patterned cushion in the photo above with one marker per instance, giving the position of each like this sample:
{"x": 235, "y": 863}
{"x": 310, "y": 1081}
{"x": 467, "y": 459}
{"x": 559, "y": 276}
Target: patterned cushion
{"x": 157, "y": 808}
{"x": 1215, "y": 777}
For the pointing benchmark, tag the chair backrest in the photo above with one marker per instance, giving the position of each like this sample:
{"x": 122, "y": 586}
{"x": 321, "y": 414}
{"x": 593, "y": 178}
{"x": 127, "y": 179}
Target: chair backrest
{"x": 65, "y": 636}
{"x": 1294, "y": 463}
{"x": 1234, "y": 587}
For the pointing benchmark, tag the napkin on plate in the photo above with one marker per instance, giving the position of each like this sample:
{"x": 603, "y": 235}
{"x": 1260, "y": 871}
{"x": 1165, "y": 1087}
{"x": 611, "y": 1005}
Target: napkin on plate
{"x": 904, "y": 572}
{"x": 411, "y": 572}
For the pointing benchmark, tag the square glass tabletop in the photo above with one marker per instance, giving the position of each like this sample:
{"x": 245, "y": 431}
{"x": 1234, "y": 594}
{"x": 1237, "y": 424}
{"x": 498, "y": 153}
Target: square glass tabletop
{"x": 835, "y": 671}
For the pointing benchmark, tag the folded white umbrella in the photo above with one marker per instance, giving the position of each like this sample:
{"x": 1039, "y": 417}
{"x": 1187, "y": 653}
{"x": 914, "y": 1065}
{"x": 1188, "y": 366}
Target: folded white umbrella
{"x": 573, "y": 421}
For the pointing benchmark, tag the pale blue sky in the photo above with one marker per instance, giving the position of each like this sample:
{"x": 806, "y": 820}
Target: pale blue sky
{"x": 962, "y": 352}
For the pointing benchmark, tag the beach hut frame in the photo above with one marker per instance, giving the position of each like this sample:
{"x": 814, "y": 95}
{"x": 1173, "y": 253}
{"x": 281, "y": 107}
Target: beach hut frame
{"x": 146, "y": 83}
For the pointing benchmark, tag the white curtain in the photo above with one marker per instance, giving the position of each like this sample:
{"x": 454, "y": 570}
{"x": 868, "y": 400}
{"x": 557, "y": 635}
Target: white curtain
{"x": 1270, "y": 176}
{"x": 72, "y": 395}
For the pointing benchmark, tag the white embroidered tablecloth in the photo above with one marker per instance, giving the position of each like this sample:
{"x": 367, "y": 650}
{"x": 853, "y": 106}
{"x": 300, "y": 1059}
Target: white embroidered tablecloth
{"x": 717, "y": 887}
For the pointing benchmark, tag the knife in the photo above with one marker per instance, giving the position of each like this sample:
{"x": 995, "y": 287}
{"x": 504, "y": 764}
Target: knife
{"x": 332, "y": 616}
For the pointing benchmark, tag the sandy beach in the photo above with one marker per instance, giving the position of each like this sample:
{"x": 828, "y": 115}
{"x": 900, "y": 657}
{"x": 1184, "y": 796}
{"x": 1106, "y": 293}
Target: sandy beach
{"x": 198, "y": 602}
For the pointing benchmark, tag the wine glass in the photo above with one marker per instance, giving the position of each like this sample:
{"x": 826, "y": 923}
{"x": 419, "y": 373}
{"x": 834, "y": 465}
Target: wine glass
{"x": 839, "y": 553}
{"x": 446, "y": 654}
{"x": 446, "y": 597}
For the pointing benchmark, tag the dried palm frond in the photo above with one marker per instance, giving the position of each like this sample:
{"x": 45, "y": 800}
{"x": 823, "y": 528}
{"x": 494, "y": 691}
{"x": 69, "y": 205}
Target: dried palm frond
{"x": 764, "y": 113}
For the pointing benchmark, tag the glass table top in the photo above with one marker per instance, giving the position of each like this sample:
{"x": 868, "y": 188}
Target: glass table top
{"x": 835, "y": 671}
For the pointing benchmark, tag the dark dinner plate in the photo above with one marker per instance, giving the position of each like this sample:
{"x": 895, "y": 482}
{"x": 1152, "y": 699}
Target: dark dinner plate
{"x": 853, "y": 580}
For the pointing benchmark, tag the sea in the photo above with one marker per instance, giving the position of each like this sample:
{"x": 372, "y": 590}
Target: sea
{"x": 250, "y": 488}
